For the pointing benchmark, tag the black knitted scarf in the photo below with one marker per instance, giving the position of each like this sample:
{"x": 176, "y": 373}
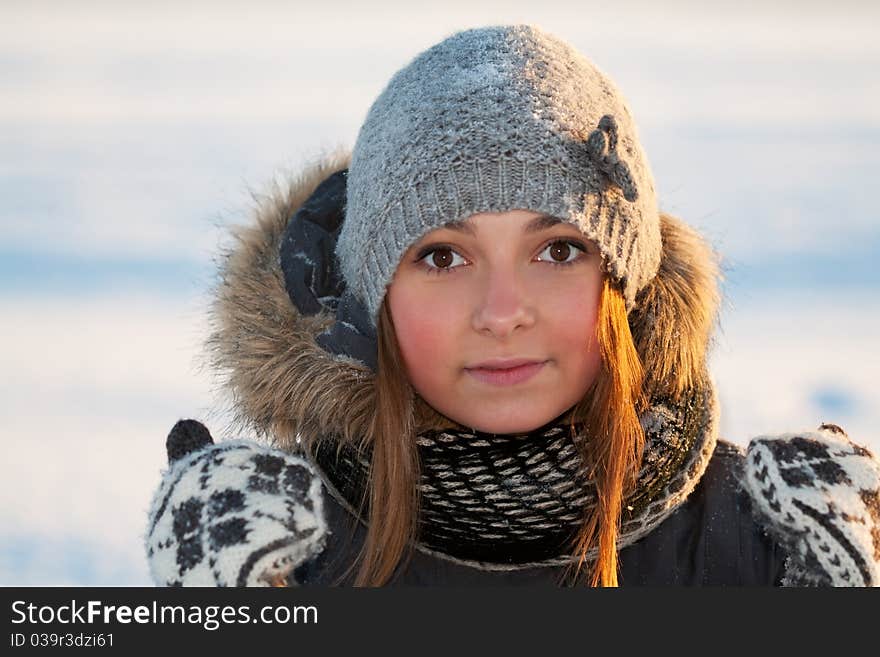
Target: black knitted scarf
{"x": 501, "y": 502}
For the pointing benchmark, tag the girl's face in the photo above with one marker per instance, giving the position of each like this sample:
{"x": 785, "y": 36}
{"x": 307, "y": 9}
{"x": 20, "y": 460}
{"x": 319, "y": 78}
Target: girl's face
{"x": 496, "y": 319}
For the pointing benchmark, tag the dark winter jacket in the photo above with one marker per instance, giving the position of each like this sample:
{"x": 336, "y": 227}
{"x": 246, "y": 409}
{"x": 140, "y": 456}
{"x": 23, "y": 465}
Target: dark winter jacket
{"x": 298, "y": 359}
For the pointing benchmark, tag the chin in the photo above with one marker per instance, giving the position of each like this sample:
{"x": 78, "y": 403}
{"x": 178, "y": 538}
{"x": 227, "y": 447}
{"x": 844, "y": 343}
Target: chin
{"x": 495, "y": 423}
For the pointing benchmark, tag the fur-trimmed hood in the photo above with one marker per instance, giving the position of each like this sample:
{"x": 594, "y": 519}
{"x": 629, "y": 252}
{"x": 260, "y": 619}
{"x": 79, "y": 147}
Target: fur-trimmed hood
{"x": 282, "y": 382}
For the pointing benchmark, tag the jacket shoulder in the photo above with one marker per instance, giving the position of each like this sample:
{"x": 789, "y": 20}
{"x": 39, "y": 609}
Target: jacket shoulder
{"x": 712, "y": 539}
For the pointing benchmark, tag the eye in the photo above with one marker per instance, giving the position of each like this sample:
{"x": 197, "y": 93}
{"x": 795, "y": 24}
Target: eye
{"x": 562, "y": 252}
{"x": 441, "y": 258}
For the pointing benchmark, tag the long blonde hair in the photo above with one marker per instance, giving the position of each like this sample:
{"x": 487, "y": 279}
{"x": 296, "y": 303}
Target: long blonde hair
{"x": 610, "y": 413}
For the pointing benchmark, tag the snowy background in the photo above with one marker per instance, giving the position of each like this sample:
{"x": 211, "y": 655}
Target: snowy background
{"x": 131, "y": 135}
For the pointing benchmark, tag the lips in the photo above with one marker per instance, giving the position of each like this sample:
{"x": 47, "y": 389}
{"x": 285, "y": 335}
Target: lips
{"x": 505, "y": 372}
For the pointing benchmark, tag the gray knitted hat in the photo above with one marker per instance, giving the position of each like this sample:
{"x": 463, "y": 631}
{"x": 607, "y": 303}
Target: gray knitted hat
{"x": 493, "y": 119}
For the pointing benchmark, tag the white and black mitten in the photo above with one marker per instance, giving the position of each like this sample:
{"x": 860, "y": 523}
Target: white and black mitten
{"x": 232, "y": 514}
{"x": 818, "y": 494}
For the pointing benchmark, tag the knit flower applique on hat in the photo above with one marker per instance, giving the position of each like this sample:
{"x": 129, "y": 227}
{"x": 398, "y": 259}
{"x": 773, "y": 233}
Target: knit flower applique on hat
{"x": 602, "y": 148}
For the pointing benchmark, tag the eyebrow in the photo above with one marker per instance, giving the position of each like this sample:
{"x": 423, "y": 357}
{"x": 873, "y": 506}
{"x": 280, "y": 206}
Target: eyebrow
{"x": 536, "y": 225}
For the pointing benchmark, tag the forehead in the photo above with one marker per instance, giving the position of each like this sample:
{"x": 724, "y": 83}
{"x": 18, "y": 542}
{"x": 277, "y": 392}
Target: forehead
{"x": 531, "y": 222}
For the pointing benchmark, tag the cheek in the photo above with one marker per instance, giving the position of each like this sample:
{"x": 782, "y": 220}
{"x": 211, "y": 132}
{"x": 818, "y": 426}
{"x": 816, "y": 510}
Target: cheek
{"x": 423, "y": 335}
{"x": 571, "y": 315}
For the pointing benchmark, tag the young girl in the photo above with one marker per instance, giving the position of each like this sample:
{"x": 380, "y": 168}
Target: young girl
{"x": 478, "y": 350}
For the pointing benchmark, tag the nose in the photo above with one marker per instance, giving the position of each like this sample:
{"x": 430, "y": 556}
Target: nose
{"x": 503, "y": 305}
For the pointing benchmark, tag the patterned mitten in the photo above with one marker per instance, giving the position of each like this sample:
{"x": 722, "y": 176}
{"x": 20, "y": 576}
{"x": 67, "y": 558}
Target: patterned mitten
{"x": 232, "y": 514}
{"x": 818, "y": 494}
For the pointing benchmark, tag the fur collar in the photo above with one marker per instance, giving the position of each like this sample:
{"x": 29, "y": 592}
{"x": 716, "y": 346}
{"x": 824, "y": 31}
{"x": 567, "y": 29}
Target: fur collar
{"x": 282, "y": 383}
